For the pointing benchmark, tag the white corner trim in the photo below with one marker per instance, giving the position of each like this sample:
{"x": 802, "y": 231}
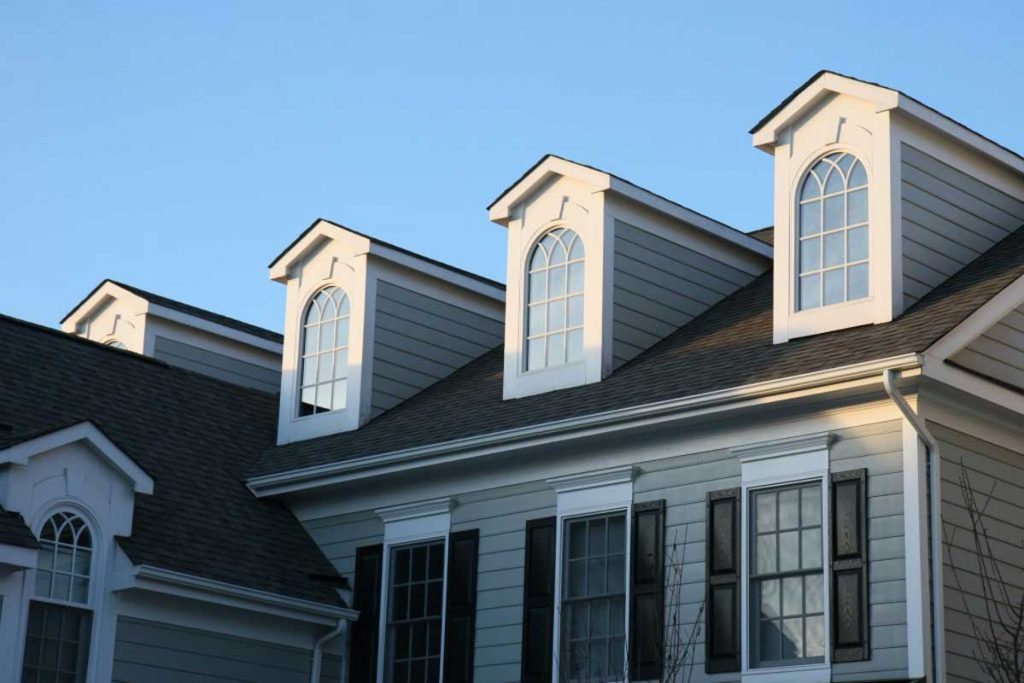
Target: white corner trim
{"x": 793, "y": 446}
{"x": 18, "y": 557}
{"x": 20, "y": 453}
{"x": 406, "y": 511}
{"x": 595, "y": 479}
{"x": 169, "y": 582}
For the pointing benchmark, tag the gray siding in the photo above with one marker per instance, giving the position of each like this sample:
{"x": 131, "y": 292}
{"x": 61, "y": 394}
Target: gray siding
{"x": 997, "y": 477}
{"x": 339, "y": 536}
{"x": 217, "y": 365}
{"x": 949, "y": 219}
{"x": 999, "y": 353}
{"x": 684, "y": 485}
{"x": 659, "y": 286}
{"x": 419, "y": 339}
{"x": 151, "y": 652}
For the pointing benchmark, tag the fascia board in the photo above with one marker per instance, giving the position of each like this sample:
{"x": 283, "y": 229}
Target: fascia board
{"x": 21, "y": 453}
{"x": 978, "y": 322}
{"x": 500, "y": 211}
{"x": 107, "y": 291}
{"x": 861, "y": 374}
{"x": 169, "y": 582}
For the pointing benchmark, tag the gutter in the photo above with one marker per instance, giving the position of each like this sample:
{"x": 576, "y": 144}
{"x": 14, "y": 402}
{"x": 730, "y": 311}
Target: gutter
{"x": 314, "y": 669}
{"x": 610, "y": 420}
{"x": 933, "y": 482}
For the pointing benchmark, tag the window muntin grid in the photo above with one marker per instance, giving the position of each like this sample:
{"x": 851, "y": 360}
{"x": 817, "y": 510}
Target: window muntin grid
{"x": 833, "y": 232}
{"x": 787, "y": 576}
{"x": 593, "y": 614}
{"x": 415, "y": 604}
{"x": 554, "y": 317}
{"x": 56, "y": 643}
{"x": 65, "y": 559}
{"x": 324, "y": 367}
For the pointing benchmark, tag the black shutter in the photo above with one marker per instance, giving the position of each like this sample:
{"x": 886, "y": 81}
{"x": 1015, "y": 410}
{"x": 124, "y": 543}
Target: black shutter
{"x": 366, "y": 599}
{"x": 538, "y": 600}
{"x": 850, "y": 642}
{"x": 722, "y": 594}
{"x": 647, "y": 613}
{"x": 460, "y": 616}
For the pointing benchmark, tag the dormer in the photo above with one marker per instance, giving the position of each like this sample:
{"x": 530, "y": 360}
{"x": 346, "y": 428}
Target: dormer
{"x": 128, "y": 318}
{"x": 369, "y": 324}
{"x": 878, "y": 199}
{"x": 600, "y": 269}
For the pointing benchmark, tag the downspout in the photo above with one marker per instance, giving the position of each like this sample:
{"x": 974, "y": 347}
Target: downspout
{"x": 318, "y": 649}
{"x": 935, "y": 532}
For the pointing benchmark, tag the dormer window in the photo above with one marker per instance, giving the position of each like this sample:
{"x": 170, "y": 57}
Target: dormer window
{"x": 833, "y": 232}
{"x": 324, "y": 373}
{"x": 554, "y": 325}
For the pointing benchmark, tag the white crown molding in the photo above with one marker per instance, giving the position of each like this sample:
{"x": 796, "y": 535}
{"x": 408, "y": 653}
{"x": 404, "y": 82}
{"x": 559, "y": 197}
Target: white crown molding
{"x": 809, "y": 443}
{"x": 407, "y": 511}
{"x": 594, "y": 479}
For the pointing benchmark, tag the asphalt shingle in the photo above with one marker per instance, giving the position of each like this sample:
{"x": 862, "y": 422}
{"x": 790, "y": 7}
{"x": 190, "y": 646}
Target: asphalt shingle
{"x": 14, "y": 531}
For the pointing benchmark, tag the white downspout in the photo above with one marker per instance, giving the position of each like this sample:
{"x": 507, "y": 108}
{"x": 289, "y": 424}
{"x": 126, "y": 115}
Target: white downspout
{"x": 935, "y": 531}
{"x": 318, "y": 649}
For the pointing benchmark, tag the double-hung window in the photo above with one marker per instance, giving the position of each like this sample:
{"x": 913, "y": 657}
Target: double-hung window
{"x": 415, "y": 612}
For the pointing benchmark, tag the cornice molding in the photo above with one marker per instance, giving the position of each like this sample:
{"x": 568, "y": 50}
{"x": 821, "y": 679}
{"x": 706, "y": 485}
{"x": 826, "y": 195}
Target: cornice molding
{"x": 809, "y": 443}
{"x": 425, "y": 508}
{"x": 594, "y": 479}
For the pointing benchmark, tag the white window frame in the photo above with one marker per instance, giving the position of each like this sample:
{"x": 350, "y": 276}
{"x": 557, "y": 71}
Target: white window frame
{"x": 418, "y": 522}
{"x": 798, "y": 460}
{"x": 307, "y": 306}
{"x": 586, "y": 495}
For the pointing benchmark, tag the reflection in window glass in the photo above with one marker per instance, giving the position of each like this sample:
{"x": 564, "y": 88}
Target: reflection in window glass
{"x": 787, "y": 577}
{"x": 324, "y": 373}
{"x": 554, "y": 317}
{"x": 593, "y": 619}
{"x": 833, "y": 232}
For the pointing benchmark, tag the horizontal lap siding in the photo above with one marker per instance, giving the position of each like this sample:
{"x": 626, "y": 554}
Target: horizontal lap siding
{"x": 338, "y": 537}
{"x": 949, "y": 219}
{"x": 999, "y": 352}
{"x": 685, "y": 483}
{"x": 419, "y": 339}
{"x": 659, "y": 286}
{"x": 152, "y": 652}
{"x": 216, "y": 365}
{"x": 501, "y": 517}
{"x": 997, "y": 477}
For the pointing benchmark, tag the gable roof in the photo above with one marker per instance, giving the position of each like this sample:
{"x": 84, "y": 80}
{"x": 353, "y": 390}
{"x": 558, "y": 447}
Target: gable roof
{"x": 729, "y": 345}
{"x": 187, "y": 309}
{"x": 194, "y": 435}
{"x": 14, "y": 531}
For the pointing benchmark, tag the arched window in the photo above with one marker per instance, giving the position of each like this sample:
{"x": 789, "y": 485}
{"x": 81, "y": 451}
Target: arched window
{"x": 554, "y": 319}
{"x": 833, "y": 232}
{"x": 116, "y": 344}
{"x": 324, "y": 371}
{"x": 59, "y": 622}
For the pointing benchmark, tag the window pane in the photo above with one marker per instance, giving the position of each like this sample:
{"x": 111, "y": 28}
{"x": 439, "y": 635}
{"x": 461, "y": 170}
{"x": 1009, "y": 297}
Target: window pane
{"x": 765, "y": 512}
{"x": 811, "y": 188}
{"x": 792, "y": 596}
{"x": 413, "y": 644}
{"x": 789, "y": 509}
{"x": 857, "y": 244}
{"x": 857, "y": 207}
{"x": 766, "y": 546}
{"x": 810, "y": 255}
{"x": 811, "y": 551}
{"x": 556, "y": 349}
{"x": 834, "y": 182}
{"x": 857, "y": 176}
{"x": 576, "y": 277}
{"x": 858, "y": 281}
{"x": 574, "y": 346}
{"x": 577, "y": 539}
{"x": 617, "y": 535}
{"x": 815, "y": 638}
{"x": 535, "y": 353}
{"x": 813, "y": 594}
{"x": 575, "y": 311}
{"x": 770, "y": 597}
{"x": 810, "y": 218}
{"x": 770, "y": 635}
{"x": 792, "y": 638}
{"x": 835, "y": 249}
{"x": 538, "y": 286}
{"x": 810, "y": 291}
{"x": 834, "y": 213}
{"x": 789, "y": 550}
{"x": 556, "y": 282}
{"x": 556, "y": 315}
{"x": 810, "y": 506}
{"x": 834, "y": 286}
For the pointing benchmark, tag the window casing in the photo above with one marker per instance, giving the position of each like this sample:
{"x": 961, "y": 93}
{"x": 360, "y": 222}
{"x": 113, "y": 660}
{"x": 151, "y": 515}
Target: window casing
{"x": 593, "y": 598}
{"x": 323, "y": 375}
{"x": 554, "y": 296}
{"x": 832, "y": 235}
{"x": 787, "y": 576}
{"x": 59, "y": 625}
{"x": 415, "y": 612}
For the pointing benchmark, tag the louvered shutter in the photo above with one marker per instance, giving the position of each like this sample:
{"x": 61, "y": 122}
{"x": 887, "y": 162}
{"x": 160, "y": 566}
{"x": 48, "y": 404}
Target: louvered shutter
{"x": 366, "y": 599}
{"x": 722, "y": 594}
{"x": 460, "y": 615}
{"x": 538, "y": 600}
{"x": 850, "y": 641}
{"x": 647, "y": 613}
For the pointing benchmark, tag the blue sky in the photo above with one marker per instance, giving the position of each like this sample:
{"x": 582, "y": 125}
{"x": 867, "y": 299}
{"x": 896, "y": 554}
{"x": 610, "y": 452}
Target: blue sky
{"x": 180, "y": 146}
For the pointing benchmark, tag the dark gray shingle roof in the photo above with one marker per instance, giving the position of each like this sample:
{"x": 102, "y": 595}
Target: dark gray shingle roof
{"x": 14, "y": 531}
{"x": 194, "y": 435}
{"x": 729, "y": 345}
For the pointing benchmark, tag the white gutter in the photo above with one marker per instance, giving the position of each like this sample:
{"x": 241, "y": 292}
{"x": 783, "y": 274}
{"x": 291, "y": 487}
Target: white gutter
{"x": 889, "y": 377}
{"x": 611, "y": 420}
{"x": 318, "y": 646}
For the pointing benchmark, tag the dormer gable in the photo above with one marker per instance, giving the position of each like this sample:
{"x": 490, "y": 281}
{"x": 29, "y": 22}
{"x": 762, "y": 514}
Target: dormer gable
{"x": 600, "y": 269}
{"x": 369, "y": 324}
{"x": 878, "y": 200}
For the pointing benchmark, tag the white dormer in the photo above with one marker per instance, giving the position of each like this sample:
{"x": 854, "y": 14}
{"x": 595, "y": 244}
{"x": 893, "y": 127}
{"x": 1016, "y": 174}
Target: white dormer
{"x": 878, "y": 199}
{"x": 368, "y": 325}
{"x": 600, "y": 269}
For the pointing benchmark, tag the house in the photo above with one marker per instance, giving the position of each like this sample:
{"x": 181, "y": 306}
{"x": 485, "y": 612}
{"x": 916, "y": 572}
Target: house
{"x": 664, "y": 447}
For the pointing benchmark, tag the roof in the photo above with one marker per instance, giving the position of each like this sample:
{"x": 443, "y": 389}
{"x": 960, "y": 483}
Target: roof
{"x": 389, "y": 245}
{"x": 188, "y": 309}
{"x": 14, "y": 531}
{"x": 729, "y": 345}
{"x": 194, "y": 435}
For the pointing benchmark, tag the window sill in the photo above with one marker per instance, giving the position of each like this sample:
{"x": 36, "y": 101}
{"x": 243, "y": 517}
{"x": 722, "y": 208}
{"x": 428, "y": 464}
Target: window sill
{"x": 815, "y": 673}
